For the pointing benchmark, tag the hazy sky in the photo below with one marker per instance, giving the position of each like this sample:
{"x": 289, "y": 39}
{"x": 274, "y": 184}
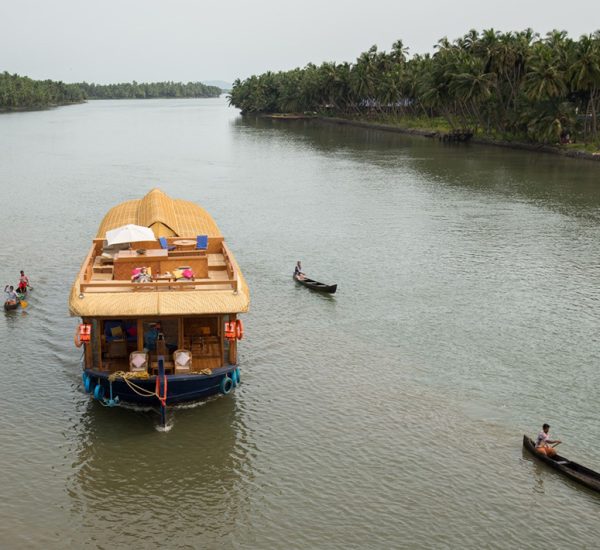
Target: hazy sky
{"x": 183, "y": 40}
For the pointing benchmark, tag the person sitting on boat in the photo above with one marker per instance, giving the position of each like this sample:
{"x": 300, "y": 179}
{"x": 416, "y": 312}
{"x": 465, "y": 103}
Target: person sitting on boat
{"x": 10, "y": 295}
{"x": 23, "y": 283}
{"x": 151, "y": 335}
{"x": 543, "y": 442}
{"x": 142, "y": 276}
{"x": 298, "y": 273}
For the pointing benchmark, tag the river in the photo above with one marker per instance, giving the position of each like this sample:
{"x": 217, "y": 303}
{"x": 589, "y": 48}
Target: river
{"x": 390, "y": 415}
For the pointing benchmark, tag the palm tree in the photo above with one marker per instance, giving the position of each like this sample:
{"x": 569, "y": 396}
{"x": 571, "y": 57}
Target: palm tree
{"x": 545, "y": 78}
{"x": 585, "y": 74}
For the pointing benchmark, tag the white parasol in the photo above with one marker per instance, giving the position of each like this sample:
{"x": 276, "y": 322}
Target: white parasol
{"x": 129, "y": 233}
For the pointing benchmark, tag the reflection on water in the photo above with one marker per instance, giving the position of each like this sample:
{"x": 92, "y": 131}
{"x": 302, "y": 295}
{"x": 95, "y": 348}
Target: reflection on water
{"x": 538, "y": 470}
{"x": 567, "y": 185}
{"x": 179, "y": 483}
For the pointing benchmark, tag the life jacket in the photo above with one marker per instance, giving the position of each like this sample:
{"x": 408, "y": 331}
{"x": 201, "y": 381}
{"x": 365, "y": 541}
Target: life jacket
{"x": 230, "y": 330}
{"x": 85, "y": 333}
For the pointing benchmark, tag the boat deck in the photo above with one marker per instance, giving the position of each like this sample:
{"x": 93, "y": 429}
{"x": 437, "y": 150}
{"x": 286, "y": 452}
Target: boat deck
{"x": 210, "y": 269}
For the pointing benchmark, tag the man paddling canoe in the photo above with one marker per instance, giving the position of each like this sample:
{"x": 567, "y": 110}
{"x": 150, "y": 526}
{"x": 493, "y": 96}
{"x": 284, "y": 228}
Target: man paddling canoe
{"x": 543, "y": 442}
{"x": 298, "y": 273}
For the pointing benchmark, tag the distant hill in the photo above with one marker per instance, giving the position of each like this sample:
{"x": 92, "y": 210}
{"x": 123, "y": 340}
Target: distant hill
{"x": 225, "y": 86}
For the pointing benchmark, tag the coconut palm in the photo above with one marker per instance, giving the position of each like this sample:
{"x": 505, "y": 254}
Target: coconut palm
{"x": 585, "y": 74}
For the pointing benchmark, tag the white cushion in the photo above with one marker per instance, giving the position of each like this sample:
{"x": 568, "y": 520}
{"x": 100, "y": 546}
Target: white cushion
{"x": 182, "y": 359}
{"x": 138, "y": 360}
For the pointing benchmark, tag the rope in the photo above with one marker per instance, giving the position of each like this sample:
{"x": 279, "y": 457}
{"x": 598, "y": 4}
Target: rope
{"x": 128, "y": 376}
{"x": 203, "y": 371}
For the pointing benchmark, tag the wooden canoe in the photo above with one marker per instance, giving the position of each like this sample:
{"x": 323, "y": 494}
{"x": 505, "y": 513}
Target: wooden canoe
{"x": 8, "y": 306}
{"x": 316, "y": 285}
{"x": 571, "y": 469}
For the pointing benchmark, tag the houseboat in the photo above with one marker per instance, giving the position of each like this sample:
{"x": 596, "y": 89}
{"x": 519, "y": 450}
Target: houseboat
{"x": 159, "y": 294}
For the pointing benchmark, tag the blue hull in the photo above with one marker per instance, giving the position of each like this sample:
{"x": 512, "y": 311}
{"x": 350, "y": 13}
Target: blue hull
{"x": 180, "y": 388}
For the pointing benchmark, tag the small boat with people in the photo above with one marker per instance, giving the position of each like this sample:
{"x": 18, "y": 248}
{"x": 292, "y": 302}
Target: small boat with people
{"x": 159, "y": 320}
{"x": 301, "y": 278}
{"x": 567, "y": 467}
{"x": 10, "y": 305}
{"x": 13, "y": 298}
{"x": 316, "y": 285}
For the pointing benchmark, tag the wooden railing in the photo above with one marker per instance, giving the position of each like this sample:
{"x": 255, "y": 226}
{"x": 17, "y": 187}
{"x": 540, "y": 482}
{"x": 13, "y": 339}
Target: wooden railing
{"x": 86, "y": 283}
{"x": 231, "y": 270}
{"x": 85, "y": 274}
{"x": 111, "y": 286}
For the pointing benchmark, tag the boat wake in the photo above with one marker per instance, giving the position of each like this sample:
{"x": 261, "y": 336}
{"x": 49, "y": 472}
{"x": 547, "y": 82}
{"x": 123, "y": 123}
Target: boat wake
{"x": 166, "y": 428}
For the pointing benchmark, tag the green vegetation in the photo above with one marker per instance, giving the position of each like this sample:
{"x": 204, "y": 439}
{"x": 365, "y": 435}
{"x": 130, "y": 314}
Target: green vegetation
{"x": 134, "y": 90}
{"x": 21, "y": 93}
{"x": 515, "y": 86}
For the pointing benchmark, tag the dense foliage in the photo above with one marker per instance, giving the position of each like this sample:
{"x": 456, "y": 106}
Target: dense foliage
{"x": 515, "y": 84}
{"x": 20, "y": 92}
{"x": 136, "y": 90}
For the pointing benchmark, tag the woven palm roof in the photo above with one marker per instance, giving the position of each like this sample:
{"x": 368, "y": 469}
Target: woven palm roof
{"x": 167, "y": 217}
{"x": 124, "y": 304}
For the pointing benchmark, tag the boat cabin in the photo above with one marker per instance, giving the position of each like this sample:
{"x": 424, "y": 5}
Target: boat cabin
{"x": 117, "y": 341}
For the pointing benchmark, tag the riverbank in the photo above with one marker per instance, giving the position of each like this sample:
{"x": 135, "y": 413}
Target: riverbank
{"x": 4, "y": 110}
{"x": 479, "y": 140}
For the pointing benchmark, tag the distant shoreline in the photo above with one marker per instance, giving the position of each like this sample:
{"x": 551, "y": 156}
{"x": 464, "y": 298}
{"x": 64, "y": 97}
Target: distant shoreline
{"x": 55, "y": 105}
{"x": 533, "y": 147}
{"x": 39, "y": 107}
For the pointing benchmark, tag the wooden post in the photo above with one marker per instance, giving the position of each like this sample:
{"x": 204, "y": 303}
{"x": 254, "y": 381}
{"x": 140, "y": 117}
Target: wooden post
{"x": 221, "y": 335}
{"x": 140, "y": 335}
{"x": 89, "y": 359}
{"x": 180, "y": 333}
{"x": 162, "y": 390}
{"x": 100, "y": 334}
{"x": 232, "y": 344}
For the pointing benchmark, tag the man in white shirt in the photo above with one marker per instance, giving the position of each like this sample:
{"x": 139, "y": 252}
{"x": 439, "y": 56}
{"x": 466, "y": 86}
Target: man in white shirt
{"x": 543, "y": 442}
{"x": 10, "y": 295}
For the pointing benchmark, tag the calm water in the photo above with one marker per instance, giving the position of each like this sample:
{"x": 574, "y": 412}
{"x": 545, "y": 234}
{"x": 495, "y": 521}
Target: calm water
{"x": 388, "y": 416}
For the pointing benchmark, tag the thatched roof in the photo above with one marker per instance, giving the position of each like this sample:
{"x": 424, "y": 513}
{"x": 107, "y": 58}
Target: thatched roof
{"x": 140, "y": 304}
{"x": 167, "y": 217}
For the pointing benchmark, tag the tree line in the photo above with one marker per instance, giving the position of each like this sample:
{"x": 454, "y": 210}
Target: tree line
{"x": 21, "y": 92}
{"x": 135, "y": 90}
{"x": 505, "y": 85}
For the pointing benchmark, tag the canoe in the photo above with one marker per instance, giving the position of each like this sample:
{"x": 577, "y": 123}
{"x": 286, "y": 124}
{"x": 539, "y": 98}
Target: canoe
{"x": 316, "y": 285}
{"x": 8, "y": 306}
{"x": 571, "y": 469}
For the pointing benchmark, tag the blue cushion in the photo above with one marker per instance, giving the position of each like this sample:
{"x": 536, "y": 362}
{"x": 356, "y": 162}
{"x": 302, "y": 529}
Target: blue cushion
{"x": 164, "y": 244}
{"x": 202, "y": 242}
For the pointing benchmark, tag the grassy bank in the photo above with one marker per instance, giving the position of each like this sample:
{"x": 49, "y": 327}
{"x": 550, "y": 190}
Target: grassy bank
{"x": 437, "y": 127}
